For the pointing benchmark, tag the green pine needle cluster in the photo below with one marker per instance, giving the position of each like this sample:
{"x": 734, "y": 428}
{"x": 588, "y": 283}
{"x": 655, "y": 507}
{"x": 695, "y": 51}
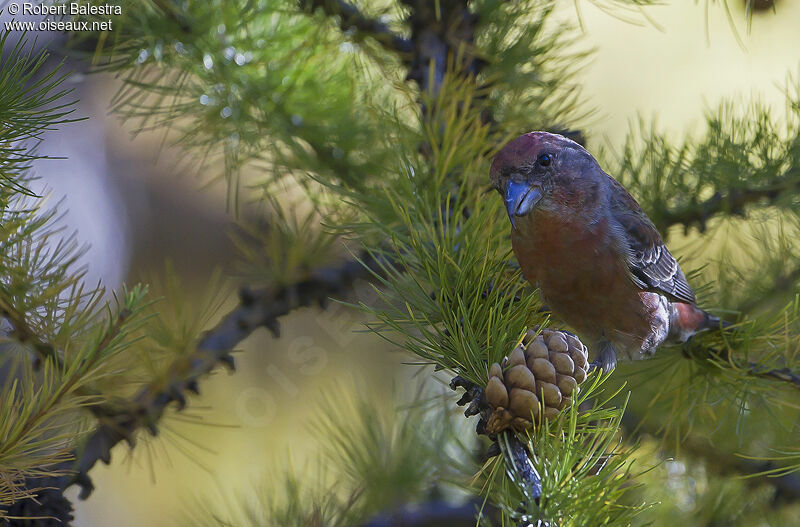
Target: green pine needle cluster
{"x": 31, "y": 102}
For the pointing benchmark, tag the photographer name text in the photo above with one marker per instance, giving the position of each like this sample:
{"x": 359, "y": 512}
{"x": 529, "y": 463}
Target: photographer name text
{"x": 71, "y": 9}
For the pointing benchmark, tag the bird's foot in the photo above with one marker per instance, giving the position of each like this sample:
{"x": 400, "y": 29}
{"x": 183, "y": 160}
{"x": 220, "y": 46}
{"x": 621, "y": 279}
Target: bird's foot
{"x": 605, "y": 357}
{"x": 597, "y": 364}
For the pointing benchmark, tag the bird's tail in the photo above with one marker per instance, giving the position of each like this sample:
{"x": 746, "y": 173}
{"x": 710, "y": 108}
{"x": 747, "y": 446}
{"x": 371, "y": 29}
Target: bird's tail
{"x": 688, "y": 319}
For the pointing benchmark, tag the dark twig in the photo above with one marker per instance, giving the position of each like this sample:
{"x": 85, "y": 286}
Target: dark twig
{"x": 779, "y": 374}
{"x": 256, "y": 309}
{"x": 751, "y": 369}
{"x": 353, "y": 22}
{"x": 734, "y": 202}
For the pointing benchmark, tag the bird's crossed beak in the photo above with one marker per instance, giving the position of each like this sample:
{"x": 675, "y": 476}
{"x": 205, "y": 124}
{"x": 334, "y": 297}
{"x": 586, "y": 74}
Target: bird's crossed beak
{"x": 520, "y": 199}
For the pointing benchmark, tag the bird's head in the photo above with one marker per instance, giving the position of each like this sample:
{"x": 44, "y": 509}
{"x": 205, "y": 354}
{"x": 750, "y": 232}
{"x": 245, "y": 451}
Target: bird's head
{"x": 540, "y": 171}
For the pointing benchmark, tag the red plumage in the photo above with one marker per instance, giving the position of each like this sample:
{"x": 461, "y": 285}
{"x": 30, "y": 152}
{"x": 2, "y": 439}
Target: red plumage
{"x": 597, "y": 259}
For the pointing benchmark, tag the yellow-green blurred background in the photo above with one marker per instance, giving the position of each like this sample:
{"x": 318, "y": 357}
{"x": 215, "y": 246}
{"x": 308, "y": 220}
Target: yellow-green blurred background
{"x": 245, "y": 426}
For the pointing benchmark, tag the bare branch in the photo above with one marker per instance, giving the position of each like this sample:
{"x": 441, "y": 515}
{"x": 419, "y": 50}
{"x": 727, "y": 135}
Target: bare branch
{"x": 734, "y": 202}
{"x": 785, "y": 375}
{"x": 778, "y": 374}
{"x": 256, "y": 309}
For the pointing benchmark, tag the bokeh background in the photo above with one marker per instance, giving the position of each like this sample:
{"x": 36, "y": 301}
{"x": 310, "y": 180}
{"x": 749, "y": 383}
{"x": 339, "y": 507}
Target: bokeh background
{"x": 139, "y": 205}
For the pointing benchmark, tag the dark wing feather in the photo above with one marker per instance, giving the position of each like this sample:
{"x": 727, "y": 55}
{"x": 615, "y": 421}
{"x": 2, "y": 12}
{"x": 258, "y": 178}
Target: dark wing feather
{"x": 652, "y": 266}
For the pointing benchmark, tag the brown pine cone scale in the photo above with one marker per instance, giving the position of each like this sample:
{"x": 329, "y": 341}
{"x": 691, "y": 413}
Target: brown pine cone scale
{"x": 542, "y": 374}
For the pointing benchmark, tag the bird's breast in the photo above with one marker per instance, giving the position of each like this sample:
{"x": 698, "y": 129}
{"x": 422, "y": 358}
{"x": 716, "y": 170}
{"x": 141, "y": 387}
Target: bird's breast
{"x": 582, "y": 273}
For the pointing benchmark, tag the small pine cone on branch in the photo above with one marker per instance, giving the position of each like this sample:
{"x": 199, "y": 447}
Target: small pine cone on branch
{"x": 541, "y": 374}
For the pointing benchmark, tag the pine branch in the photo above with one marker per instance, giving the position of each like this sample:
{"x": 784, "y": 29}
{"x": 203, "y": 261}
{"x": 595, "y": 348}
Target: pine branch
{"x": 440, "y": 34}
{"x": 256, "y": 309}
{"x": 750, "y": 369}
{"x": 351, "y": 20}
{"x": 47, "y": 352}
{"x": 440, "y": 30}
{"x": 778, "y": 374}
{"x": 733, "y": 202}
{"x": 42, "y": 499}
{"x": 23, "y": 333}
{"x": 741, "y": 162}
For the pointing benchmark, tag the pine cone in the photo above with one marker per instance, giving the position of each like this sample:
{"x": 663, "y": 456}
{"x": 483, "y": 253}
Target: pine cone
{"x": 549, "y": 367}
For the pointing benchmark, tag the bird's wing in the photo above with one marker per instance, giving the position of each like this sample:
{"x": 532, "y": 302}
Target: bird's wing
{"x": 652, "y": 266}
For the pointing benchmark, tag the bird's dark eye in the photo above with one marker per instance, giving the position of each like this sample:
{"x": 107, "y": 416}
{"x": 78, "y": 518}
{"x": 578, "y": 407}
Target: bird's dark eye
{"x": 545, "y": 160}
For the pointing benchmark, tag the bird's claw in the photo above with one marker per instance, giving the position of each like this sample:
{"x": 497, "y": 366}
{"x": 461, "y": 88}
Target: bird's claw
{"x": 605, "y": 358}
{"x": 603, "y": 366}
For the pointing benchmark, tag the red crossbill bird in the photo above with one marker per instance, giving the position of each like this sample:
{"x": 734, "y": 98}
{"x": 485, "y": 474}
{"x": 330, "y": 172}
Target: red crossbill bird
{"x": 598, "y": 261}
